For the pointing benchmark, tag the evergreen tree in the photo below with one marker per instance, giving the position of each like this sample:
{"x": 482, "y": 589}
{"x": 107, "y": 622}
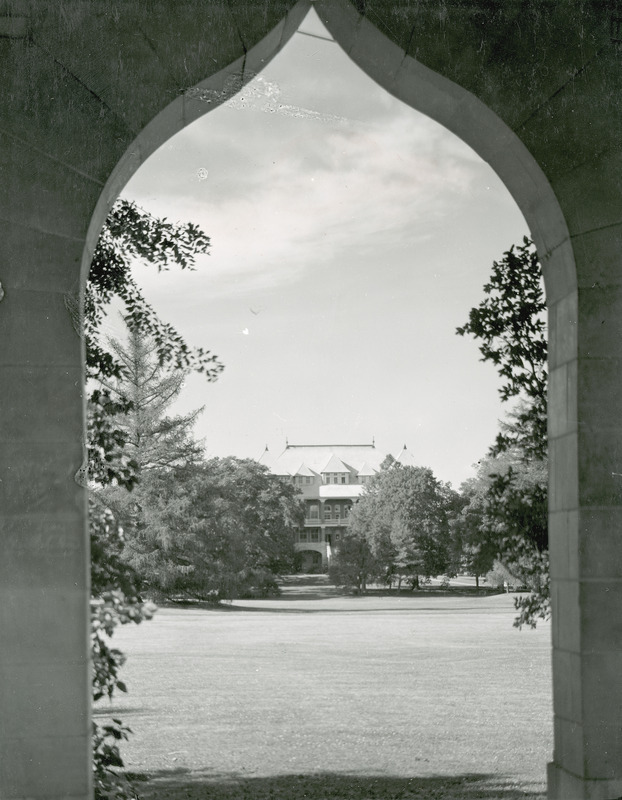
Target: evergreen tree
{"x": 128, "y": 234}
{"x": 215, "y": 530}
{"x": 153, "y": 439}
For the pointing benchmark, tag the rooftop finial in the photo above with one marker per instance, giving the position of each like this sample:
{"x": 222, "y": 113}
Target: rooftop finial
{"x": 286, "y": 441}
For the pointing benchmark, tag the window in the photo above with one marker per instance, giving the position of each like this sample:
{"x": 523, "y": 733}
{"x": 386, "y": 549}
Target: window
{"x": 346, "y": 511}
{"x": 303, "y": 536}
{"x": 327, "y": 511}
{"x": 337, "y": 511}
{"x": 314, "y": 511}
{"x": 315, "y": 535}
{"x": 343, "y": 477}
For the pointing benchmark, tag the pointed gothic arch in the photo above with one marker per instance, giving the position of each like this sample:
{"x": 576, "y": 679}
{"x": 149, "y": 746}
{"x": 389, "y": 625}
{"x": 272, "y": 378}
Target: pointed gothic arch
{"x": 90, "y": 91}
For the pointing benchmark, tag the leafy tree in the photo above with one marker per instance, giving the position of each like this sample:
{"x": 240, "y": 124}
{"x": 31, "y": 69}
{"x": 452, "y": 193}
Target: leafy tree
{"x": 402, "y": 518}
{"x": 509, "y": 324}
{"x": 354, "y": 565}
{"x": 128, "y": 234}
{"x": 219, "y": 530}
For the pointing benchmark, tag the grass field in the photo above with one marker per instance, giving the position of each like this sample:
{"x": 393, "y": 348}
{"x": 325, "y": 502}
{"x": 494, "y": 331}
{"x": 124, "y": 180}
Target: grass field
{"x": 320, "y": 696}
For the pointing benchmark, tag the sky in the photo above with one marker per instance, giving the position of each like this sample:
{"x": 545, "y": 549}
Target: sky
{"x": 350, "y": 236}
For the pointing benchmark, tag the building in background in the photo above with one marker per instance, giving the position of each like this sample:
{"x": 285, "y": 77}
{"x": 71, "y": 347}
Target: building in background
{"x": 331, "y": 478}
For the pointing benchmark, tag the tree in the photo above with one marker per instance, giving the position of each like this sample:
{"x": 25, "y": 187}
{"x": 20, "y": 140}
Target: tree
{"x": 402, "y": 518}
{"x": 152, "y": 438}
{"x": 510, "y": 327}
{"x": 129, "y": 233}
{"x": 365, "y": 553}
{"x": 217, "y": 531}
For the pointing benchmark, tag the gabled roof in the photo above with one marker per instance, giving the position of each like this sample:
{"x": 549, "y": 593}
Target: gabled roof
{"x": 406, "y": 458}
{"x": 366, "y": 469}
{"x": 317, "y": 456}
{"x": 335, "y": 464}
{"x": 266, "y": 458}
{"x": 303, "y": 469}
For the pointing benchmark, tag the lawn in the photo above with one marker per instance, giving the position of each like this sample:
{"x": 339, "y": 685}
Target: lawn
{"x": 323, "y": 696}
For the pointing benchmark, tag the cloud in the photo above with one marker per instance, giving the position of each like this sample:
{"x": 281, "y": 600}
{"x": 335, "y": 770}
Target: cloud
{"x": 283, "y": 183}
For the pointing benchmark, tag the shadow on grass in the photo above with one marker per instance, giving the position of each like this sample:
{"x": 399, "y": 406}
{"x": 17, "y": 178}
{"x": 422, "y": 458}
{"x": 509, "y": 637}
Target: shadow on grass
{"x": 184, "y": 784}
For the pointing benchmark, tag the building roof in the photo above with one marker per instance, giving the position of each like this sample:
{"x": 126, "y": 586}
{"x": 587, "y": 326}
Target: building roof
{"x": 335, "y": 464}
{"x": 303, "y": 469}
{"x": 406, "y": 458}
{"x": 366, "y": 469}
{"x": 316, "y": 457}
{"x": 266, "y": 458}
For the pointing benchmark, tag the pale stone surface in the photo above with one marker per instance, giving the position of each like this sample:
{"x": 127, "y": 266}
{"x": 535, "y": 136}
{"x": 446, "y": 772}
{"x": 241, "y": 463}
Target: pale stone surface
{"x": 567, "y": 695}
{"x": 567, "y": 615}
{"x": 599, "y": 548}
{"x": 90, "y": 92}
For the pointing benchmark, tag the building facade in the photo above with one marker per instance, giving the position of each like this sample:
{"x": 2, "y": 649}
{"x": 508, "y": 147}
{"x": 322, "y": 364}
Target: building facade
{"x": 331, "y": 478}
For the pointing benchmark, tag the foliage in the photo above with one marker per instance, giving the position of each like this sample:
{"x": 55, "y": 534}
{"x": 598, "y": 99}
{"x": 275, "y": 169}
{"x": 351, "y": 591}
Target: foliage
{"x": 128, "y": 234}
{"x": 108, "y": 781}
{"x": 403, "y": 521}
{"x": 131, "y": 234}
{"x": 151, "y": 438}
{"x": 354, "y": 565}
{"x": 115, "y": 601}
{"x": 221, "y": 529}
{"x": 506, "y": 516}
{"x": 510, "y": 327}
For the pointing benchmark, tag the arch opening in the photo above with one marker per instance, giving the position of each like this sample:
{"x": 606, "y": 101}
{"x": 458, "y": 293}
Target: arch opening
{"x": 461, "y": 112}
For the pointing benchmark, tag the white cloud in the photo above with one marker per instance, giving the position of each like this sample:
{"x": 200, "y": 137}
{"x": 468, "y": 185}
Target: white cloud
{"x": 311, "y": 193}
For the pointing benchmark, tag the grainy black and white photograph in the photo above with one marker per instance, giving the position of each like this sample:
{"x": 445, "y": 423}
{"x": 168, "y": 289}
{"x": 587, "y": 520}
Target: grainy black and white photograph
{"x": 310, "y": 439}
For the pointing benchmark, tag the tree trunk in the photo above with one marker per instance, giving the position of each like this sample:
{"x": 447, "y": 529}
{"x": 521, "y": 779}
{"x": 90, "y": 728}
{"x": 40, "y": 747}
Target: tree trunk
{"x": 477, "y": 581}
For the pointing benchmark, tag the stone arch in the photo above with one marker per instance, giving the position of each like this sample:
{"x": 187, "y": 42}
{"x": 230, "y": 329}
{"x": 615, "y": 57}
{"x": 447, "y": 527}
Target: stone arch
{"x": 533, "y": 88}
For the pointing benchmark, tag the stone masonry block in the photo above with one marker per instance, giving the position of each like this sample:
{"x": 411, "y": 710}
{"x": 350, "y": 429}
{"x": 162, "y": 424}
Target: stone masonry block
{"x": 39, "y": 329}
{"x": 563, "y": 331}
{"x": 562, "y": 400}
{"x": 566, "y": 615}
{"x": 599, "y": 393}
{"x": 600, "y": 549}
{"x": 45, "y": 768}
{"x": 590, "y": 195}
{"x": 569, "y": 745}
{"x": 600, "y": 466}
{"x": 44, "y": 625}
{"x": 44, "y": 194}
{"x": 40, "y": 477}
{"x": 42, "y": 262}
{"x": 599, "y": 257}
{"x": 601, "y": 619}
{"x": 600, "y": 322}
{"x": 567, "y": 696}
{"x": 45, "y": 552}
{"x": 43, "y": 699}
{"x": 563, "y": 465}
{"x": 559, "y": 271}
{"x": 35, "y": 402}
{"x": 564, "y": 544}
